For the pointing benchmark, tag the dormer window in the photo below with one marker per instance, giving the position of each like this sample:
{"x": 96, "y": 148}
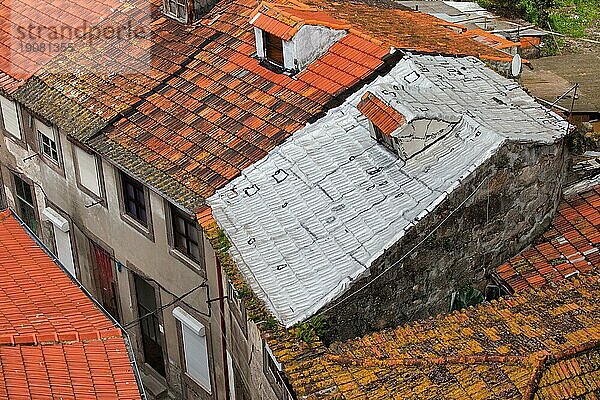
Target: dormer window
{"x": 383, "y": 119}
{"x": 187, "y": 11}
{"x": 177, "y": 9}
{"x": 273, "y": 47}
{"x": 293, "y": 37}
{"x": 383, "y": 138}
{"x": 391, "y": 128}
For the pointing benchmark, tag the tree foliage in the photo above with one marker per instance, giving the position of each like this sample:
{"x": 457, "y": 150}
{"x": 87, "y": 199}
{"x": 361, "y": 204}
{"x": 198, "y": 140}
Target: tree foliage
{"x": 534, "y": 11}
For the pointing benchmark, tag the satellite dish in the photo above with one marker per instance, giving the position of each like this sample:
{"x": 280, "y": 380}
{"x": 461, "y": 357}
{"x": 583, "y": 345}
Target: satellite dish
{"x": 516, "y": 65}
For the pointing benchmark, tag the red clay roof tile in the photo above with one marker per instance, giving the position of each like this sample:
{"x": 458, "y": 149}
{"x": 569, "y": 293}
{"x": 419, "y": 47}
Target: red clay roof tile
{"x": 32, "y": 32}
{"x": 490, "y": 39}
{"x": 54, "y": 341}
{"x": 570, "y": 246}
{"x": 537, "y": 344}
{"x": 195, "y": 103}
{"x": 284, "y": 20}
{"x": 408, "y": 30}
{"x": 383, "y": 116}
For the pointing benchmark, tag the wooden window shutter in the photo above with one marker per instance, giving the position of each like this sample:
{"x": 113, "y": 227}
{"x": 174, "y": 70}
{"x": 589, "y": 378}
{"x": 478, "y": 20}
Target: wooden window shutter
{"x": 274, "y": 48}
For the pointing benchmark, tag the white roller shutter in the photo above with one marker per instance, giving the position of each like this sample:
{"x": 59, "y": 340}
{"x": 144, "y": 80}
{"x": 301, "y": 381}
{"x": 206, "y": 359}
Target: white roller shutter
{"x": 10, "y": 117}
{"x": 88, "y": 170}
{"x": 195, "y": 348}
{"x": 45, "y": 130}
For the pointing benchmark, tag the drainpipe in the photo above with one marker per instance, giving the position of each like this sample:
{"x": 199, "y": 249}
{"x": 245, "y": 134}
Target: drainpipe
{"x": 222, "y": 317}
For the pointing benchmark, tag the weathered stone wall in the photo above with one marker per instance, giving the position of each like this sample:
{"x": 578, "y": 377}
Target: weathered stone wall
{"x": 520, "y": 190}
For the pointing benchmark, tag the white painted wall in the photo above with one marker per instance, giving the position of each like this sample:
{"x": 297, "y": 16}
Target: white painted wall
{"x": 260, "y": 44}
{"x": 308, "y": 44}
{"x": 418, "y": 134}
{"x": 311, "y": 42}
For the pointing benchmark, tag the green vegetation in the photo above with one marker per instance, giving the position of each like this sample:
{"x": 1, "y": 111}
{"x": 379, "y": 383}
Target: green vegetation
{"x": 310, "y": 330}
{"x": 574, "y": 17}
{"x": 465, "y": 297}
{"x": 535, "y": 11}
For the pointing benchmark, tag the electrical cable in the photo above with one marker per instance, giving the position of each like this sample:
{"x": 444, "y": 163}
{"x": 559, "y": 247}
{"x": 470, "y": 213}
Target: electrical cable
{"x": 177, "y": 299}
{"x": 341, "y": 301}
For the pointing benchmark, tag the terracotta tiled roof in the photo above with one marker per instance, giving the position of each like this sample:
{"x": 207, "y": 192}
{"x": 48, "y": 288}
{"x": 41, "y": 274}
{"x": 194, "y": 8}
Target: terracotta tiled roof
{"x": 542, "y": 345}
{"x": 488, "y": 38}
{"x": 408, "y": 30}
{"x": 380, "y": 114}
{"x": 204, "y": 108}
{"x": 54, "y": 341}
{"x": 33, "y": 31}
{"x": 568, "y": 248}
{"x": 284, "y": 20}
{"x": 196, "y": 107}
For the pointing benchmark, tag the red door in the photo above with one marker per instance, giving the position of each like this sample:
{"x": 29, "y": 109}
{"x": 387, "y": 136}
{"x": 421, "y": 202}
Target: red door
{"x": 103, "y": 271}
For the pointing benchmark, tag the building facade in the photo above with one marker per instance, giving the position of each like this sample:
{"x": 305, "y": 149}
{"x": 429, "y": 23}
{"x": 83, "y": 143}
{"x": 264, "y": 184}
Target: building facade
{"x": 133, "y": 249}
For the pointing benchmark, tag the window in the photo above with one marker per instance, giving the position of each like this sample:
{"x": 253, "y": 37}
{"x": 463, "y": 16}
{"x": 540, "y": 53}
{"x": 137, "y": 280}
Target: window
{"x": 88, "y": 171}
{"x": 10, "y": 117}
{"x": 195, "y": 348}
{"x": 273, "y": 48}
{"x": 176, "y": 9}
{"x": 386, "y": 140}
{"x": 24, "y": 203}
{"x": 134, "y": 199}
{"x": 273, "y": 371}
{"x": 48, "y": 144}
{"x": 149, "y": 325}
{"x": 186, "y": 238}
{"x": 104, "y": 276}
{"x": 237, "y": 308}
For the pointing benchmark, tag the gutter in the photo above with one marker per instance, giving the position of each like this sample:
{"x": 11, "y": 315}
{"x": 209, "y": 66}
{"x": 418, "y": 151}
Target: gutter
{"x": 126, "y": 337}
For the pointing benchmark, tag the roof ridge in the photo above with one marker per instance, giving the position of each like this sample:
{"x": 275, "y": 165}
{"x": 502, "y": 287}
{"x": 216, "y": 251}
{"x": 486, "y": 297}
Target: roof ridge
{"x": 574, "y": 350}
{"x": 35, "y": 339}
{"x": 425, "y": 361}
{"x": 545, "y": 358}
{"x": 544, "y": 355}
{"x": 294, "y": 5}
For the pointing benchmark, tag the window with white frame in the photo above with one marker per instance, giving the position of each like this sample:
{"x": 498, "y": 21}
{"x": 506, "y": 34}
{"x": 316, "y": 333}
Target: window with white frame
{"x": 48, "y": 141}
{"x": 195, "y": 348}
{"x": 10, "y": 117}
{"x": 176, "y": 9}
{"x": 88, "y": 171}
